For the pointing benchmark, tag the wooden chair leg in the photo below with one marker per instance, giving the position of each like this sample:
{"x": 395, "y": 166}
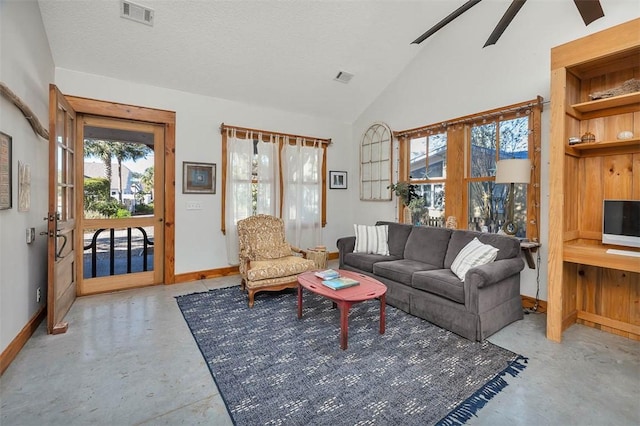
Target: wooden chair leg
{"x": 251, "y": 294}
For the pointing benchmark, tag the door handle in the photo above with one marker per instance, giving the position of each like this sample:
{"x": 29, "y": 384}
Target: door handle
{"x": 64, "y": 243}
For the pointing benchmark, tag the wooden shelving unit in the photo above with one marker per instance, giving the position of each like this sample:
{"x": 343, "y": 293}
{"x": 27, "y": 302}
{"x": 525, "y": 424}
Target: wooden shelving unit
{"x": 586, "y": 284}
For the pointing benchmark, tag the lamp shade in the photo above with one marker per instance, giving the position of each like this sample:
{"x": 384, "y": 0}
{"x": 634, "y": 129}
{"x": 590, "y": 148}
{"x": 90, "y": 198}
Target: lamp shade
{"x": 513, "y": 171}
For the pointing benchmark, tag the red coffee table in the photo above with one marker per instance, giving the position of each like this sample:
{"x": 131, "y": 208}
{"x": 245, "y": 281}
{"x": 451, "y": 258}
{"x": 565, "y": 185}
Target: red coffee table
{"x": 368, "y": 289}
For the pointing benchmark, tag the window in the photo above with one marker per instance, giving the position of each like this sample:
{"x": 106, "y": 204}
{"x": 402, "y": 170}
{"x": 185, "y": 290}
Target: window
{"x": 454, "y": 164}
{"x": 428, "y": 170}
{"x": 277, "y": 174}
{"x": 500, "y": 139}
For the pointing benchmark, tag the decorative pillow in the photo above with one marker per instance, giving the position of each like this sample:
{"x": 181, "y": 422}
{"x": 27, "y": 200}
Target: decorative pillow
{"x": 372, "y": 239}
{"x": 274, "y": 251}
{"x": 473, "y": 254}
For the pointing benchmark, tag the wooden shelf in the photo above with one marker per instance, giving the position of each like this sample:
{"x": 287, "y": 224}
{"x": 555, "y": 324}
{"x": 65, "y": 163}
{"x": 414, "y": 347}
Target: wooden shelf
{"x": 633, "y": 143}
{"x": 596, "y": 255}
{"x": 613, "y": 102}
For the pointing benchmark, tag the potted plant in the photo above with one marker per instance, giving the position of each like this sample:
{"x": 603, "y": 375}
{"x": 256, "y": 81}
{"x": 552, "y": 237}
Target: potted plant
{"x": 405, "y": 191}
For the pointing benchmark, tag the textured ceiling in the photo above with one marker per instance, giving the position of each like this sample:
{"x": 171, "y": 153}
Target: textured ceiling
{"x": 279, "y": 54}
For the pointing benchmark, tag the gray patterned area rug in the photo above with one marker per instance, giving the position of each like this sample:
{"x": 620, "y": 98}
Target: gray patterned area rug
{"x": 273, "y": 369}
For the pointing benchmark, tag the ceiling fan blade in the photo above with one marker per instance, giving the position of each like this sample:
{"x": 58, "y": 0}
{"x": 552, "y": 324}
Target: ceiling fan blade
{"x": 506, "y": 19}
{"x": 590, "y": 10}
{"x": 453, "y": 15}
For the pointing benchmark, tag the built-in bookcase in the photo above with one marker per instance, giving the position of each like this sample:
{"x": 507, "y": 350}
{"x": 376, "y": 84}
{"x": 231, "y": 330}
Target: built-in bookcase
{"x": 586, "y": 284}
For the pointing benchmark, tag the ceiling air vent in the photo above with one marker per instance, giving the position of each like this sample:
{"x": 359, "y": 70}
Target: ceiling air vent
{"x": 137, "y": 13}
{"x": 343, "y": 77}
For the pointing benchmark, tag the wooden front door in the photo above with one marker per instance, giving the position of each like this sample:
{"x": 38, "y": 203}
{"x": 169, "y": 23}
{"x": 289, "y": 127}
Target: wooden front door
{"x": 61, "y": 217}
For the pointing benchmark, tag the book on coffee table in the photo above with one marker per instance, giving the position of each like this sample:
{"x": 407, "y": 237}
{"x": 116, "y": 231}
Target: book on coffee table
{"x": 340, "y": 283}
{"x": 327, "y": 274}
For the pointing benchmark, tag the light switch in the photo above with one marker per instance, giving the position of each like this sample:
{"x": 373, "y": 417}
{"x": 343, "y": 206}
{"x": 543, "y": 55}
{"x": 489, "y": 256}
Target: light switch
{"x": 194, "y": 205}
{"x": 31, "y": 235}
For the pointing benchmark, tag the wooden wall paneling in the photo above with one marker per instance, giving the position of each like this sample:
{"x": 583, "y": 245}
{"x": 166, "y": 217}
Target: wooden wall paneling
{"x": 615, "y": 294}
{"x": 590, "y": 200}
{"x": 634, "y": 298}
{"x": 573, "y": 90}
{"x": 570, "y": 192}
{"x": 635, "y": 190}
{"x": 615, "y": 124}
{"x": 618, "y": 176}
{"x": 588, "y": 292}
{"x": 569, "y": 288}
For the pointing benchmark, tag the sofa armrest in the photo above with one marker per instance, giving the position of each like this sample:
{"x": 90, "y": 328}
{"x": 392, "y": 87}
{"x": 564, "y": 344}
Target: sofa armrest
{"x": 345, "y": 245}
{"x": 494, "y": 272}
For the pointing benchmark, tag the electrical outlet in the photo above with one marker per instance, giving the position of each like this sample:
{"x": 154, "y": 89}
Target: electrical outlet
{"x": 38, "y": 294}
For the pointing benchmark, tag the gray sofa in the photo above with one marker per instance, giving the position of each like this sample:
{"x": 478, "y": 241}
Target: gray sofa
{"x": 419, "y": 279}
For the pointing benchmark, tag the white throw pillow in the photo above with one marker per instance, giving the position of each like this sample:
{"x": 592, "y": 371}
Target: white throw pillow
{"x": 372, "y": 239}
{"x": 473, "y": 254}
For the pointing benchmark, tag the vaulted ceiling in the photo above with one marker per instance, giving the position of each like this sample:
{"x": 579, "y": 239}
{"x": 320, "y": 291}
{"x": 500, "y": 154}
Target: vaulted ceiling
{"x": 279, "y": 54}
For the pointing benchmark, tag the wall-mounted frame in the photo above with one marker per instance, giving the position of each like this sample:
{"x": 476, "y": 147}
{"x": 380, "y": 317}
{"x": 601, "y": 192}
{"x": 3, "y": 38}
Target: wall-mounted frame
{"x": 337, "y": 180}
{"x": 5, "y": 171}
{"x": 198, "y": 178}
{"x": 24, "y": 187}
{"x": 375, "y": 163}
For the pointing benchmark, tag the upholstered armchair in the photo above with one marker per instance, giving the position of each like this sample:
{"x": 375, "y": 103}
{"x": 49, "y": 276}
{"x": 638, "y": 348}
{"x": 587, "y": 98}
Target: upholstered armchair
{"x": 267, "y": 261}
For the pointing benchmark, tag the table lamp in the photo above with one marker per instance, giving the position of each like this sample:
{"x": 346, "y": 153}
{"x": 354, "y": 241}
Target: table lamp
{"x": 512, "y": 171}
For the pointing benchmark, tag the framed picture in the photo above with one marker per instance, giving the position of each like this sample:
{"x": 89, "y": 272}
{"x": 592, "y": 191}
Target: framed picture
{"x": 5, "y": 171}
{"x": 198, "y": 178}
{"x": 337, "y": 180}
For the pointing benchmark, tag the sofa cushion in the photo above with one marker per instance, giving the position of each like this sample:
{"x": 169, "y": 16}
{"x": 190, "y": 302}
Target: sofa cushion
{"x": 398, "y": 234}
{"x": 473, "y": 254}
{"x": 400, "y": 270}
{"x": 509, "y": 246}
{"x": 428, "y": 245}
{"x": 442, "y": 282}
{"x": 371, "y": 239}
{"x": 365, "y": 261}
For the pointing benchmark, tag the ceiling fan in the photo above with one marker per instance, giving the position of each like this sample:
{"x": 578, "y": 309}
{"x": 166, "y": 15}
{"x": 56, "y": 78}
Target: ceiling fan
{"x": 590, "y": 10}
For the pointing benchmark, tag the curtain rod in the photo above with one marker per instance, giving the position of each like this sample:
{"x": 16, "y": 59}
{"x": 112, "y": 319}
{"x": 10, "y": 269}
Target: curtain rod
{"x": 224, "y": 127}
{"x": 538, "y": 102}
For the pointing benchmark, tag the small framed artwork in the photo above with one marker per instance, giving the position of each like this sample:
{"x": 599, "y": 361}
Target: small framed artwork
{"x": 5, "y": 171}
{"x": 198, "y": 178}
{"x": 337, "y": 180}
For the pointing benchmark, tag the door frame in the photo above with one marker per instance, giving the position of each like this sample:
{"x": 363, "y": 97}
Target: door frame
{"x": 122, "y": 281}
{"x": 158, "y": 116}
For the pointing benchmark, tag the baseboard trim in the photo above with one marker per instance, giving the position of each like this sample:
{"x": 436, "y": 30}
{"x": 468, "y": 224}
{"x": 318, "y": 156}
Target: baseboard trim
{"x": 16, "y": 345}
{"x": 220, "y": 272}
{"x": 203, "y": 275}
{"x": 529, "y": 302}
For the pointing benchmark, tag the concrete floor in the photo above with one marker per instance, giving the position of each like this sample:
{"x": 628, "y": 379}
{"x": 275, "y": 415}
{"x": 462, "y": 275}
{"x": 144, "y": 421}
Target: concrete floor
{"x": 129, "y": 359}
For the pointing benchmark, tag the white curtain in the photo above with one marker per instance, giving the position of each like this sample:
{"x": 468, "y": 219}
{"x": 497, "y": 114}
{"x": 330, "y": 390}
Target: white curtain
{"x": 268, "y": 165}
{"x": 302, "y": 169}
{"x": 238, "y": 192}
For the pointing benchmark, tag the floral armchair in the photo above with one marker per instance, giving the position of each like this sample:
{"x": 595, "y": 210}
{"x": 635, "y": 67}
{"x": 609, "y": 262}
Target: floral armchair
{"x": 267, "y": 261}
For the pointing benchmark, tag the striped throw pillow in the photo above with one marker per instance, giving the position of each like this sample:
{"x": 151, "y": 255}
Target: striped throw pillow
{"x": 372, "y": 239}
{"x": 473, "y": 254}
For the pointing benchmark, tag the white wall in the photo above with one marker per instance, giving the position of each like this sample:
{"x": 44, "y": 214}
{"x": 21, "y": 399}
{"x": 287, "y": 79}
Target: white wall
{"x": 453, "y": 76}
{"x": 26, "y": 67}
{"x": 200, "y": 244}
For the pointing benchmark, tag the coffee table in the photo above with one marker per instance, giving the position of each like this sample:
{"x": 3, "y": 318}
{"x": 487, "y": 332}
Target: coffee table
{"x": 369, "y": 288}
